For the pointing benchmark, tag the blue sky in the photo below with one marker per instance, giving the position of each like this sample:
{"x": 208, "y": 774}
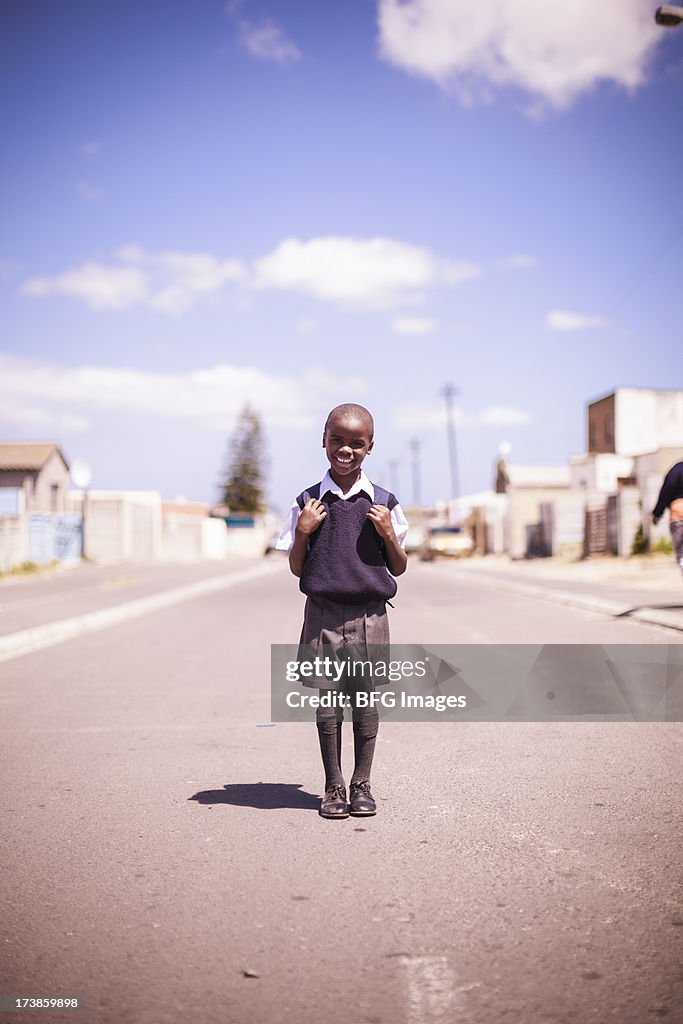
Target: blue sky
{"x": 303, "y": 203}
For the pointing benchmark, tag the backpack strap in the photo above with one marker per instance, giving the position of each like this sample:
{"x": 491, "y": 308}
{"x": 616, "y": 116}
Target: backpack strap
{"x": 384, "y": 497}
{"x": 310, "y": 492}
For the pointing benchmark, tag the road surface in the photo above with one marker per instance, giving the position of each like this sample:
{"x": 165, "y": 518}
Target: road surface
{"x": 164, "y": 860}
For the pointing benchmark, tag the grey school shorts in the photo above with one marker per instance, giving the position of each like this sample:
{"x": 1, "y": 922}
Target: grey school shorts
{"x": 356, "y": 632}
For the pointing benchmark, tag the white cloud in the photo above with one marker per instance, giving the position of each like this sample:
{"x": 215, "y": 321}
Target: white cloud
{"x": 553, "y": 51}
{"x": 563, "y": 320}
{"x": 368, "y": 272}
{"x": 519, "y": 262}
{"x": 101, "y": 287}
{"x": 267, "y": 41}
{"x": 170, "y": 282}
{"x": 432, "y": 416}
{"x": 209, "y": 396}
{"x": 189, "y": 276}
{"x": 360, "y": 272}
{"x": 413, "y": 325}
{"x": 40, "y": 420}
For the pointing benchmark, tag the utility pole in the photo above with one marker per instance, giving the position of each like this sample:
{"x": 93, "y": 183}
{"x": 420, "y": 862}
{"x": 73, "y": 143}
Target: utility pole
{"x": 449, "y": 391}
{"x": 415, "y": 450}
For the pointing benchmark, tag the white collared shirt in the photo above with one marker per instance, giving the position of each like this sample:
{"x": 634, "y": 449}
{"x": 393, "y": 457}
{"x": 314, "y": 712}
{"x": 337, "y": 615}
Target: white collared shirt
{"x": 398, "y": 519}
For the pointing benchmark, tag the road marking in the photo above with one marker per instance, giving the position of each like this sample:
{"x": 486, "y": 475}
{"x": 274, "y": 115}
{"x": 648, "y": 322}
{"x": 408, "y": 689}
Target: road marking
{"x": 26, "y": 641}
{"x": 432, "y": 996}
{"x": 574, "y": 599}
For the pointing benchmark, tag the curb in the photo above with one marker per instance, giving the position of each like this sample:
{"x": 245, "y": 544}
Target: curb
{"x": 587, "y": 602}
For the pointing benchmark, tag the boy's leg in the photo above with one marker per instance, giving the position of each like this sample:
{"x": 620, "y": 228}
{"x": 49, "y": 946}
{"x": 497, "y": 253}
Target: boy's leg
{"x": 676, "y": 529}
{"x": 365, "y": 726}
{"x": 365, "y": 729}
{"x": 329, "y": 734}
{"x": 333, "y": 803}
{"x": 375, "y": 627}
{"x": 320, "y": 637}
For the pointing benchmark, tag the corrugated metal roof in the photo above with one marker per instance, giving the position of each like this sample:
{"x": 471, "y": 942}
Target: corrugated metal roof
{"x": 30, "y": 455}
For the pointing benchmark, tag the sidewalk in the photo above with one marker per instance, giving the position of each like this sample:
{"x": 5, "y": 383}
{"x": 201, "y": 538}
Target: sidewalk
{"x": 648, "y": 588}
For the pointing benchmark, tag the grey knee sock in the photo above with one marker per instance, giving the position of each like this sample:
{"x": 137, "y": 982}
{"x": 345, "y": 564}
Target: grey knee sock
{"x": 329, "y": 734}
{"x": 364, "y": 737}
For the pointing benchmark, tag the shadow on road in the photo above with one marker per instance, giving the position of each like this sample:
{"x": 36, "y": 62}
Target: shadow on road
{"x": 656, "y": 607}
{"x": 266, "y": 795}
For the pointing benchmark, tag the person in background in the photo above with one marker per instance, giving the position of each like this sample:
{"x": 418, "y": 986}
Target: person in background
{"x": 671, "y": 497}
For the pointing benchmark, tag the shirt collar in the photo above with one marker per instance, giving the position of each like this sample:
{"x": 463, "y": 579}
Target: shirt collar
{"x": 361, "y": 484}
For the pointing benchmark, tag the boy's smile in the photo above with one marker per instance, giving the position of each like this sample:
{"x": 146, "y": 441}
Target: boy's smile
{"x": 347, "y": 441}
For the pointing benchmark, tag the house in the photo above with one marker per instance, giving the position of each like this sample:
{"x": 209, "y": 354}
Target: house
{"x": 34, "y": 478}
{"x": 634, "y": 436}
{"x": 518, "y": 517}
{"x": 635, "y": 421}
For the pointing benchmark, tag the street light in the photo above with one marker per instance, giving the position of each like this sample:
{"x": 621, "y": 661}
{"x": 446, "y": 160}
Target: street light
{"x": 415, "y": 449}
{"x": 81, "y": 475}
{"x": 449, "y": 391}
{"x": 669, "y": 15}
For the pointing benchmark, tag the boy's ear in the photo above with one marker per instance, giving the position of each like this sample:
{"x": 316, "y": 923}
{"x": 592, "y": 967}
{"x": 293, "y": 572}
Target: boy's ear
{"x": 370, "y": 447}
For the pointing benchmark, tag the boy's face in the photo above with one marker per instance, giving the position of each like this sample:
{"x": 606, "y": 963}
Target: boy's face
{"x": 347, "y": 441}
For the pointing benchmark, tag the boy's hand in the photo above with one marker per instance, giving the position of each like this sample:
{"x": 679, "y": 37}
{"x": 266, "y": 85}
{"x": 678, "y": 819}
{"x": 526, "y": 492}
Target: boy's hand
{"x": 310, "y": 517}
{"x": 380, "y": 517}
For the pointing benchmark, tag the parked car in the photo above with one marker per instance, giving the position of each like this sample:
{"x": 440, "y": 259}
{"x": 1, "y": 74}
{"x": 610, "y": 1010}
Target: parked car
{"x": 453, "y": 541}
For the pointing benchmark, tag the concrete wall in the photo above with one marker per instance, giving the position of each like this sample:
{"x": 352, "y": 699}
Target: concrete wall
{"x": 190, "y": 538}
{"x": 647, "y": 420}
{"x": 13, "y": 542}
{"x": 247, "y": 542}
{"x": 524, "y": 510}
{"x": 567, "y": 511}
{"x": 628, "y": 518}
{"x": 599, "y": 472}
{"x": 120, "y": 526}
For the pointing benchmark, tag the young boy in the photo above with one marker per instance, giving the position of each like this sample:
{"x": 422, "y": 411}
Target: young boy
{"x": 345, "y": 537}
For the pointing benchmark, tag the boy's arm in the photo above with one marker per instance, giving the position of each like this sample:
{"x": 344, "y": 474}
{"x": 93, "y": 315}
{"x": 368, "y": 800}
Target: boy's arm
{"x": 665, "y": 496}
{"x": 310, "y": 518}
{"x": 396, "y": 558}
{"x": 298, "y": 552}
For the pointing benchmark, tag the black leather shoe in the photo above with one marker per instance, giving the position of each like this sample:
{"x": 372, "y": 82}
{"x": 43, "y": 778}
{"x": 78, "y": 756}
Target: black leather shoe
{"x": 362, "y": 801}
{"x": 333, "y": 804}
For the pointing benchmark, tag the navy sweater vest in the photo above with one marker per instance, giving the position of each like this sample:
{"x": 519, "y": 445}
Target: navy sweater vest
{"x": 345, "y": 560}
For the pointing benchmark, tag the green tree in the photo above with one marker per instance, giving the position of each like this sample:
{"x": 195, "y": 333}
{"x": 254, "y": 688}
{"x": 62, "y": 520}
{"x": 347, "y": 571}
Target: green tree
{"x": 243, "y": 488}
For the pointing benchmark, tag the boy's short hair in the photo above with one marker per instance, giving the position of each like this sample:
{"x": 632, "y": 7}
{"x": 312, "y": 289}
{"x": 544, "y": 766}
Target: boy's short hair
{"x": 350, "y": 409}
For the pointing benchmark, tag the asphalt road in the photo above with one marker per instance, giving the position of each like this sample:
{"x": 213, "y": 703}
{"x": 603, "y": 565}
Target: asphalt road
{"x": 163, "y": 859}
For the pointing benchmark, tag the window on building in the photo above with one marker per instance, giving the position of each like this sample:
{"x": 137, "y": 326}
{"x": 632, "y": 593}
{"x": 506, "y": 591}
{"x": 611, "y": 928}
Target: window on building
{"x": 54, "y": 497}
